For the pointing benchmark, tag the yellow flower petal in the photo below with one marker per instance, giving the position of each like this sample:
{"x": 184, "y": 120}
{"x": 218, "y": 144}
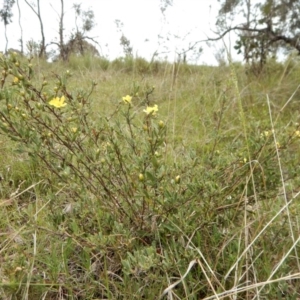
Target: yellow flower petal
{"x": 151, "y": 110}
{"x": 127, "y": 99}
{"x": 58, "y": 102}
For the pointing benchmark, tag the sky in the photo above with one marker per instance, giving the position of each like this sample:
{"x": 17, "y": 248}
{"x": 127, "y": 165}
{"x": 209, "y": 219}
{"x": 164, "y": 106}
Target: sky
{"x": 144, "y": 25}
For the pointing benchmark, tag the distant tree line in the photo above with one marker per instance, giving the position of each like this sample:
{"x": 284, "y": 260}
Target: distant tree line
{"x": 263, "y": 28}
{"x": 78, "y": 41}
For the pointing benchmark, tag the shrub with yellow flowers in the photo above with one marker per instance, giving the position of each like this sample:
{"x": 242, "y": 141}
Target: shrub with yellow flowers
{"x": 115, "y": 159}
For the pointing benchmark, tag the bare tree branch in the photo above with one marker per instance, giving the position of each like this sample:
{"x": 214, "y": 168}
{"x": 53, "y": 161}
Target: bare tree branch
{"x": 294, "y": 42}
{"x": 38, "y": 14}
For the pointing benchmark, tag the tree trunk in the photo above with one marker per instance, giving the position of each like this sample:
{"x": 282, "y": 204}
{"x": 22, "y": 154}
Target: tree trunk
{"x": 21, "y": 29}
{"x": 6, "y": 38}
{"x": 38, "y": 14}
{"x": 62, "y": 46}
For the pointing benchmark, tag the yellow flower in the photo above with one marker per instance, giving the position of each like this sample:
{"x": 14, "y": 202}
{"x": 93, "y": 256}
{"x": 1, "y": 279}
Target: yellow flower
{"x": 297, "y": 133}
{"x": 74, "y": 129}
{"x": 58, "y": 102}
{"x": 127, "y": 99}
{"x": 151, "y": 110}
{"x": 16, "y": 80}
{"x": 266, "y": 133}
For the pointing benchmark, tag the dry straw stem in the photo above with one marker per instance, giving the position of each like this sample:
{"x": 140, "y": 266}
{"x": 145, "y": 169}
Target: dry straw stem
{"x": 7, "y": 242}
{"x": 28, "y": 283}
{"x": 287, "y": 203}
{"x": 191, "y": 264}
{"x": 279, "y": 265}
{"x": 281, "y": 175}
{"x": 288, "y": 101}
{"x": 235, "y": 85}
{"x": 259, "y": 234}
{"x": 14, "y": 195}
{"x": 235, "y": 291}
{"x": 172, "y": 286}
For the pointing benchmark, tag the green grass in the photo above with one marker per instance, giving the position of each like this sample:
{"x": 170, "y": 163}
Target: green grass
{"x": 79, "y": 222}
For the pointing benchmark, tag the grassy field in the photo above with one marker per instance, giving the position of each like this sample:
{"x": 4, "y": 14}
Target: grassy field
{"x": 104, "y": 195}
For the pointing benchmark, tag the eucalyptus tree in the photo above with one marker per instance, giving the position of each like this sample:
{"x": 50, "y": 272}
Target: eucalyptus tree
{"x": 80, "y": 35}
{"x": 77, "y": 40}
{"x": 262, "y": 27}
{"x": 6, "y": 17}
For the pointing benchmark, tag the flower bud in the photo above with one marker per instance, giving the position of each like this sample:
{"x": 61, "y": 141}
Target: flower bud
{"x": 177, "y": 179}
{"x": 161, "y": 124}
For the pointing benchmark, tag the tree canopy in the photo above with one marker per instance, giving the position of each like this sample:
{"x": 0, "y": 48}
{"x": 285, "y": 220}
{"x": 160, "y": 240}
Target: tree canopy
{"x": 262, "y": 27}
